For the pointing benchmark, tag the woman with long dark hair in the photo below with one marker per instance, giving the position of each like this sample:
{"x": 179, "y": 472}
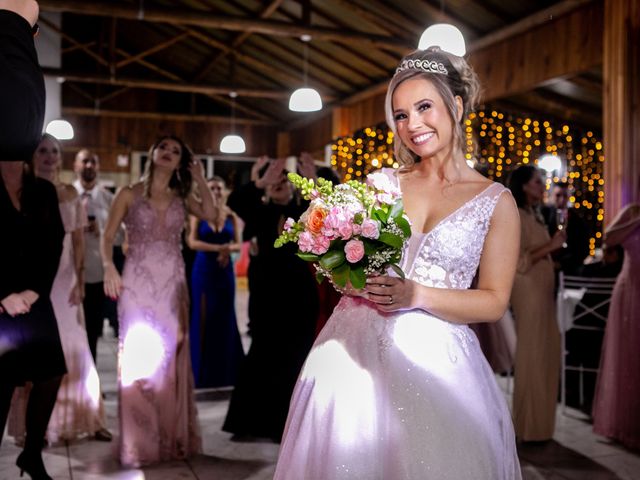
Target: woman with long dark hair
{"x": 158, "y": 418}
{"x": 537, "y": 363}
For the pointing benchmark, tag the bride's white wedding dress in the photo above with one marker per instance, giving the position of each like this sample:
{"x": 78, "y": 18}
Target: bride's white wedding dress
{"x": 404, "y": 395}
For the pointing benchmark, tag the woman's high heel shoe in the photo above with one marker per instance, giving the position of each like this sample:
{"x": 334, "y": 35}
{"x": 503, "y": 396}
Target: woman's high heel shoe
{"x": 32, "y": 464}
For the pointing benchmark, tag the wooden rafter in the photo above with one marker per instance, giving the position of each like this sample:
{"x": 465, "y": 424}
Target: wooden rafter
{"x": 150, "y": 51}
{"x": 204, "y": 19}
{"x": 170, "y": 86}
{"x": 90, "y": 112}
{"x": 210, "y": 63}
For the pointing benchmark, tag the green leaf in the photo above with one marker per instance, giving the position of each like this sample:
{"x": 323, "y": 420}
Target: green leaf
{"x": 397, "y": 269}
{"x": 390, "y": 239}
{"x": 379, "y": 214}
{"x": 370, "y": 247}
{"x": 396, "y": 209}
{"x": 404, "y": 225}
{"x": 341, "y": 274}
{"x": 332, "y": 259}
{"x": 308, "y": 257}
{"x": 357, "y": 277}
{"x": 319, "y": 277}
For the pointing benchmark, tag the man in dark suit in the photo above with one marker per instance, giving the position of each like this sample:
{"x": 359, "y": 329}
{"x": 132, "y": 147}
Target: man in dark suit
{"x": 568, "y": 260}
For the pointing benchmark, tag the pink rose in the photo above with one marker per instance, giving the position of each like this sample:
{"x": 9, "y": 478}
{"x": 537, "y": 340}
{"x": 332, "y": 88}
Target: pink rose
{"x": 370, "y": 229}
{"x": 289, "y": 224}
{"x": 334, "y": 218}
{"x": 305, "y": 242}
{"x": 354, "y": 249}
{"x": 357, "y": 229}
{"x": 345, "y": 230}
{"x": 321, "y": 245}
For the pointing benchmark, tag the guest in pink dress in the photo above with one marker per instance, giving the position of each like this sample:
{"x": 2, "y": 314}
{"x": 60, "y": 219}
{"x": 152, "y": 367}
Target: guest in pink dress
{"x": 158, "y": 417}
{"x": 79, "y": 408}
{"x": 616, "y": 408}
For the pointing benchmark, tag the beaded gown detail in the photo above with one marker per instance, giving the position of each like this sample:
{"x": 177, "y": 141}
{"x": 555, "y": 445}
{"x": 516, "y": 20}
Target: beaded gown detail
{"x": 404, "y": 395}
{"x": 158, "y": 417}
{"x": 79, "y": 407}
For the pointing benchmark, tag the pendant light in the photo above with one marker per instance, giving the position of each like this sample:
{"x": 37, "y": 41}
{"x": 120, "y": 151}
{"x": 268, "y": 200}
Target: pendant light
{"x": 305, "y": 99}
{"x": 445, "y": 36}
{"x": 232, "y": 143}
{"x": 60, "y": 129}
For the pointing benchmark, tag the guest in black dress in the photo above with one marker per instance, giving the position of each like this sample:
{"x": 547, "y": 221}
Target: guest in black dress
{"x": 283, "y": 307}
{"x": 31, "y": 239}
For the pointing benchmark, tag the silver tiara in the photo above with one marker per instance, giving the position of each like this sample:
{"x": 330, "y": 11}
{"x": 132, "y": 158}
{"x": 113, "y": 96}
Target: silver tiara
{"x": 431, "y": 66}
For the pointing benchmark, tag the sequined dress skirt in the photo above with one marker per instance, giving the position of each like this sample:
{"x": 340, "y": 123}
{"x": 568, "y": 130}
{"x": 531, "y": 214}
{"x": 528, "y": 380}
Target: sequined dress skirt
{"x": 158, "y": 417}
{"x": 396, "y": 396}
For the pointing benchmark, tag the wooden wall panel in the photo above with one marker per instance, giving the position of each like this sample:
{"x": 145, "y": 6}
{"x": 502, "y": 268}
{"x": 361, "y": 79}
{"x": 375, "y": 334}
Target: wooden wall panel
{"x": 564, "y": 46}
{"x": 621, "y": 71}
{"x": 110, "y": 137}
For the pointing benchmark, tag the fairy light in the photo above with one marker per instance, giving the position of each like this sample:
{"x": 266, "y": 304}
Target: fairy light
{"x": 500, "y": 142}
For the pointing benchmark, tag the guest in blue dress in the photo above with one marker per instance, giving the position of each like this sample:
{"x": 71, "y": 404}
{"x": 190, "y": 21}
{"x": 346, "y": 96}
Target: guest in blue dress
{"x": 216, "y": 349}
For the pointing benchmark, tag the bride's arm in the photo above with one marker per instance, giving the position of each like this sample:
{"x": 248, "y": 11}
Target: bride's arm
{"x": 487, "y": 302}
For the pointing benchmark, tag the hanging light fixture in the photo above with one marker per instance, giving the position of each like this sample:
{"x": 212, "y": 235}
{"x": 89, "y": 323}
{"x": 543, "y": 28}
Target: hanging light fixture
{"x": 232, "y": 143}
{"x": 550, "y": 163}
{"x": 445, "y": 36}
{"x": 305, "y": 99}
{"x": 61, "y": 129}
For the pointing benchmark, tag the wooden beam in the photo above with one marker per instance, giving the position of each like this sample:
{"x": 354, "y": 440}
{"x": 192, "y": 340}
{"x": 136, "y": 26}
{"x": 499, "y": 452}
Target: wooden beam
{"x": 74, "y": 42}
{"x": 171, "y": 117}
{"x": 176, "y": 16}
{"x": 171, "y": 86}
{"x": 529, "y": 23}
{"x": 152, "y": 50}
{"x": 566, "y": 45}
{"x": 77, "y": 46}
{"x": 239, "y": 40}
{"x": 621, "y": 71}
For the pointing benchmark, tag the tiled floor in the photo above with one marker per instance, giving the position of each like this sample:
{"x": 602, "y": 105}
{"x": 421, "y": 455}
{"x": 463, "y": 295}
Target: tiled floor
{"x": 575, "y": 454}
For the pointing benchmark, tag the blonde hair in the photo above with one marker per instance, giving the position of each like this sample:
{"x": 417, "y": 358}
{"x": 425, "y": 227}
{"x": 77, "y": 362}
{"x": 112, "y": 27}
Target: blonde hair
{"x": 460, "y": 80}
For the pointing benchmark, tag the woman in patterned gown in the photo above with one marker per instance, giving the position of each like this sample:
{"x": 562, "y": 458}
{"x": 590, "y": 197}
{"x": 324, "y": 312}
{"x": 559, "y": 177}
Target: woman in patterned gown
{"x": 79, "y": 408}
{"x": 157, "y": 412}
{"x": 616, "y": 413}
{"x": 396, "y": 386}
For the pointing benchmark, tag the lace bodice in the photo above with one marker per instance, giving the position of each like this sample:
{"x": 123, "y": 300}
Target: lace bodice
{"x": 448, "y": 256}
{"x": 146, "y": 224}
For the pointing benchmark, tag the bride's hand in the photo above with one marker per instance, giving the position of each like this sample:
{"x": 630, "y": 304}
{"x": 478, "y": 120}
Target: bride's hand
{"x": 391, "y": 293}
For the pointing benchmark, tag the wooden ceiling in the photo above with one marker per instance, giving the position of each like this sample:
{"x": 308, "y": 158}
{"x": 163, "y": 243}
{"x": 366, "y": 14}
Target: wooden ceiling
{"x": 182, "y": 58}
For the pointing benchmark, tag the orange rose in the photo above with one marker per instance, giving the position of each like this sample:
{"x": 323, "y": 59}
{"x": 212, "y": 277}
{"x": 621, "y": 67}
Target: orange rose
{"x": 315, "y": 220}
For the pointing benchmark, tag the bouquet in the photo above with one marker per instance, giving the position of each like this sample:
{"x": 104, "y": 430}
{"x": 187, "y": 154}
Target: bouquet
{"x": 351, "y": 230}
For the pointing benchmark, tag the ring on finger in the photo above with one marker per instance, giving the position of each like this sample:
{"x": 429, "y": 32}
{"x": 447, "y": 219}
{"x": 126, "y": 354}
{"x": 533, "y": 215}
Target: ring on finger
{"x": 390, "y": 299}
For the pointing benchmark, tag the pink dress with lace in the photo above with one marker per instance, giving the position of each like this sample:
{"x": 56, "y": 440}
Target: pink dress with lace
{"x": 404, "y": 395}
{"x": 79, "y": 408}
{"x": 616, "y": 406}
{"x": 158, "y": 417}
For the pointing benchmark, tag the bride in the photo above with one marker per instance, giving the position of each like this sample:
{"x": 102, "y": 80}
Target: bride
{"x": 396, "y": 386}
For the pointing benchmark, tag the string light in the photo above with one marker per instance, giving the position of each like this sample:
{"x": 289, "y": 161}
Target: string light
{"x": 500, "y": 142}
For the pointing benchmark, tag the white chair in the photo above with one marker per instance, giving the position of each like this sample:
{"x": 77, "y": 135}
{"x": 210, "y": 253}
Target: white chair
{"x": 571, "y": 292}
